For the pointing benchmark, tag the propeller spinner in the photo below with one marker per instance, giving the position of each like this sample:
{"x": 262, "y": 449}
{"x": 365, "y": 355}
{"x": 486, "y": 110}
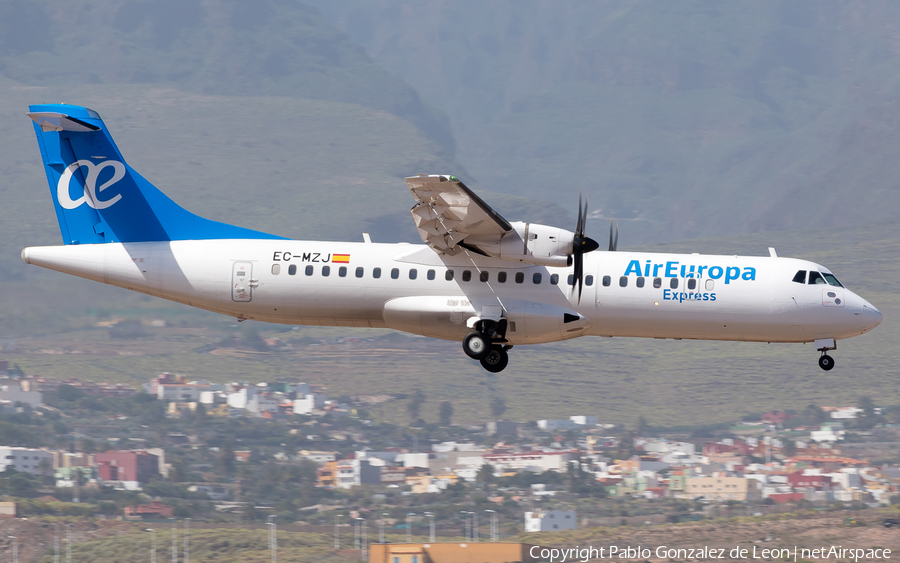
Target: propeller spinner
{"x": 580, "y": 245}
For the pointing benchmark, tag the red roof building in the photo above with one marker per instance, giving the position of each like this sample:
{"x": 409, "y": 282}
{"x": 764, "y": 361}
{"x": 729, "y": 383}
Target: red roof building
{"x": 127, "y": 466}
{"x": 154, "y": 509}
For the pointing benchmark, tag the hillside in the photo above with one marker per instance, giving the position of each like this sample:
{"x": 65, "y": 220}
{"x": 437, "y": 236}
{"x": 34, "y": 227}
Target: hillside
{"x": 671, "y": 115}
{"x": 267, "y": 48}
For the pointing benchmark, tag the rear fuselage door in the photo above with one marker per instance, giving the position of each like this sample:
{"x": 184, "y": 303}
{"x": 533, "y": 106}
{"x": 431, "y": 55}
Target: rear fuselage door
{"x": 241, "y": 282}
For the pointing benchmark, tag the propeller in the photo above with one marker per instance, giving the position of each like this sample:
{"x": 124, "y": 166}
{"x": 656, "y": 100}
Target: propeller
{"x": 581, "y": 244}
{"x": 613, "y": 242}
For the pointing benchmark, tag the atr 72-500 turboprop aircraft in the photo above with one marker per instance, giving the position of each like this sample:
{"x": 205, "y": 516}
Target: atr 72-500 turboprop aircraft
{"x": 480, "y": 279}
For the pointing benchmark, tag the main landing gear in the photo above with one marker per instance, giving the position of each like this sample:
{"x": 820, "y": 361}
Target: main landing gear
{"x": 487, "y": 344}
{"x": 823, "y": 345}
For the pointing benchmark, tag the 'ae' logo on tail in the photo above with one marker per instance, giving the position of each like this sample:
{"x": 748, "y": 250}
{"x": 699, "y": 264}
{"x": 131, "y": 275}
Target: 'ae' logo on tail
{"x": 91, "y": 192}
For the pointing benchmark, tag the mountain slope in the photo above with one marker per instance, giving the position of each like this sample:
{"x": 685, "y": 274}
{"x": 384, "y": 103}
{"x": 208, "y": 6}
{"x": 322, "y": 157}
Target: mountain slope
{"x": 692, "y": 118}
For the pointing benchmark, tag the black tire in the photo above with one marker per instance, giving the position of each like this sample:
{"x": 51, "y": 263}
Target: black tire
{"x": 826, "y": 362}
{"x": 496, "y": 360}
{"x": 476, "y": 345}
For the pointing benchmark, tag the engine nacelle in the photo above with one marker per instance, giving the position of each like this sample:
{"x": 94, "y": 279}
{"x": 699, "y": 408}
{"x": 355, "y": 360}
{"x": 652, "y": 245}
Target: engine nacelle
{"x": 531, "y": 243}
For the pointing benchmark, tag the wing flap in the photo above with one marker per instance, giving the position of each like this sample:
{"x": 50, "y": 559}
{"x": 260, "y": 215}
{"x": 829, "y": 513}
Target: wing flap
{"x": 447, "y": 211}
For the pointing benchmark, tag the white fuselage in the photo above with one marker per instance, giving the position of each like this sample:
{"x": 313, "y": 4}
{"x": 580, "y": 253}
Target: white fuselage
{"x": 283, "y": 281}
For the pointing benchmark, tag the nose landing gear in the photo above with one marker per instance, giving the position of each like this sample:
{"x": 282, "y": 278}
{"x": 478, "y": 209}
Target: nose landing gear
{"x": 823, "y": 345}
{"x": 487, "y": 344}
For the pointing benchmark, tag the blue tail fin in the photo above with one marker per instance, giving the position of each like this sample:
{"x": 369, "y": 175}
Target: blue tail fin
{"x": 99, "y": 198}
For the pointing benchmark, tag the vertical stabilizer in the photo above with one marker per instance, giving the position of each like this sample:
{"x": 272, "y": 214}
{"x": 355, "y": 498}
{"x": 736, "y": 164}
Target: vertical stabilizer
{"x": 98, "y": 197}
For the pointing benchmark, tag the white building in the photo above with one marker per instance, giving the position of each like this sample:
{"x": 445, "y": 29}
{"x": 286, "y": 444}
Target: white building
{"x": 180, "y": 392}
{"x": 556, "y": 425}
{"x": 317, "y": 457}
{"x": 27, "y": 460}
{"x": 530, "y": 461}
{"x": 550, "y": 520}
{"x": 259, "y": 404}
{"x": 14, "y": 394}
{"x": 241, "y": 397}
{"x": 309, "y": 402}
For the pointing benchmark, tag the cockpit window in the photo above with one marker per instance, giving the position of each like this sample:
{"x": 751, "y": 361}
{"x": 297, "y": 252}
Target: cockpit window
{"x": 832, "y": 280}
{"x": 800, "y": 277}
{"x": 815, "y": 278}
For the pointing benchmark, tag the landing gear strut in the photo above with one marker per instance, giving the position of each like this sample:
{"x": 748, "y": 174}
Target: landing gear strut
{"x": 487, "y": 344}
{"x": 823, "y": 345}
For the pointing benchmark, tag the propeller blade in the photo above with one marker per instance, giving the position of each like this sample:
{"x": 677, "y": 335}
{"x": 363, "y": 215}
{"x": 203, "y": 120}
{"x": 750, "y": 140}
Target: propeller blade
{"x": 611, "y": 247}
{"x": 579, "y": 273}
{"x": 616, "y": 241}
{"x": 579, "y": 223}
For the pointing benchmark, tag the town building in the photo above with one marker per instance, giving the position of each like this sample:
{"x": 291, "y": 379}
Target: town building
{"x": 493, "y": 552}
{"x": 130, "y": 468}
{"x": 155, "y": 509}
{"x": 27, "y": 460}
{"x": 550, "y": 520}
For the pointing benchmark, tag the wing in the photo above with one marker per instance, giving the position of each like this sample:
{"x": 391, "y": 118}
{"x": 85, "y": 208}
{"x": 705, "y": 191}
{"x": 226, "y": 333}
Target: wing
{"x": 447, "y": 212}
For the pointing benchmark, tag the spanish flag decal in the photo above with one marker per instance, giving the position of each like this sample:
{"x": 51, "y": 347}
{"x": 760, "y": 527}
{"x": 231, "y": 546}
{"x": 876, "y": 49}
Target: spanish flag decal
{"x": 340, "y": 259}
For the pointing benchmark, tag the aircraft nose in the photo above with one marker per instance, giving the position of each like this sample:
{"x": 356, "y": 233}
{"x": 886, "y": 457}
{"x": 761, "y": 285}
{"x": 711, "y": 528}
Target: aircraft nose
{"x": 870, "y": 316}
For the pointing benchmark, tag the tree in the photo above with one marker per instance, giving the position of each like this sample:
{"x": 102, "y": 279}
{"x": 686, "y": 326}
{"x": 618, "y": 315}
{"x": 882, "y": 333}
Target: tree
{"x": 814, "y": 414}
{"x": 790, "y": 448}
{"x": 643, "y": 429}
{"x": 414, "y": 406}
{"x": 446, "y": 413}
{"x": 868, "y": 418}
{"x": 498, "y": 406}
{"x": 226, "y": 458}
{"x": 485, "y": 474}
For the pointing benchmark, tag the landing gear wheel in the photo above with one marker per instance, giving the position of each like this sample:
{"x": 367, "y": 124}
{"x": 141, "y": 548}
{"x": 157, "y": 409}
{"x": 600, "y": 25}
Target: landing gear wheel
{"x": 826, "y": 362}
{"x": 496, "y": 360}
{"x": 476, "y": 345}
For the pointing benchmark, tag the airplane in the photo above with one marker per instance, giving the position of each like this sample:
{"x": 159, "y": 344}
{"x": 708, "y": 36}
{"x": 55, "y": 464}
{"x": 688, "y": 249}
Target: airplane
{"x": 478, "y": 279}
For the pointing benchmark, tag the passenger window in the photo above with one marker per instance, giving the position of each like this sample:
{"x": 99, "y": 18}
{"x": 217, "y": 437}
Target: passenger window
{"x": 520, "y": 277}
{"x": 692, "y": 283}
{"x": 326, "y": 271}
{"x": 571, "y": 279}
{"x": 588, "y": 280}
{"x": 640, "y": 281}
{"x": 832, "y": 280}
{"x": 342, "y": 271}
{"x": 413, "y": 274}
{"x": 657, "y": 283}
{"x": 395, "y": 273}
{"x": 360, "y": 272}
{"x": 276, "y": 269}
{"x": 376, "y": 273}
{"x": 815, "y": 278}
{"x": 292, "y": 270}
{"x": 309, "y": 270}
{"x": 623, "y": 281}
{"x": 484, "y": 276}
{"x": 467, "y": 275}
{"x": 710, "y": 284}
{"x": 448, "y": 275}
{"x": 430, "y": 275}
{"x": 606, "y": 281}
{"x": 673, "y": 283}
{"x": 501, "y": 277}
{"x": 800, "y": 277}
{"x": 536, "y": 278}
{"x": 554, "y": 279}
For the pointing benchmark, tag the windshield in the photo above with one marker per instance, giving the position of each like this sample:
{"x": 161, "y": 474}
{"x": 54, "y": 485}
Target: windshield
{"x": 815, "y": 278}
{"x": 832, "y": 280}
